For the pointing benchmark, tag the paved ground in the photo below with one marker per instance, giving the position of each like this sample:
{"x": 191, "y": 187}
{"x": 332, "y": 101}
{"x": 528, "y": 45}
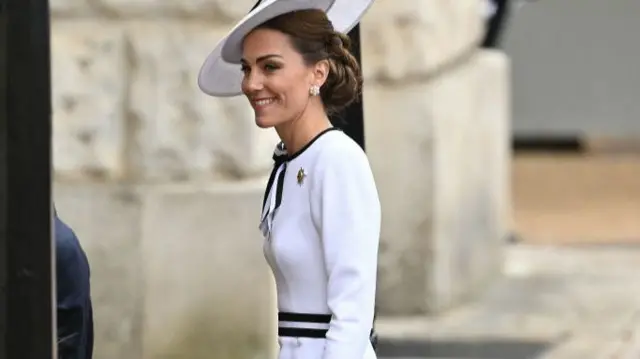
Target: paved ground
{"x": 577, "y": 198}
{"x": 553, "y": 303}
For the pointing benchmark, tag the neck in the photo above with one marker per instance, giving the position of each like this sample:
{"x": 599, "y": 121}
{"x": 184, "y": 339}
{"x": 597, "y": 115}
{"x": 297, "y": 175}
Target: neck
{"x": 298, "y": 133}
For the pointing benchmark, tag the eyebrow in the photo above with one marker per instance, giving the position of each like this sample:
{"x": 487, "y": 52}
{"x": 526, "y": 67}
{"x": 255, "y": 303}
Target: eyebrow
{"x": 262, "y": 58}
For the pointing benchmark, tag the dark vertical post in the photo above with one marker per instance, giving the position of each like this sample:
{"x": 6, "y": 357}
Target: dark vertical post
{"x": 26, "y": 257}
{"x": 3, "y": 179}
{"x": 495, "y": 24}
{"x": 351, "y": 120}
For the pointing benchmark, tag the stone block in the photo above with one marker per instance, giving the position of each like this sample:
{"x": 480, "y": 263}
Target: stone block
{"x": 107, "y": 221}
{"x": 212, "y": 10}
{"x": 177, "y": 271}
{"x": 69, "y": 7}
{"x": 89, "y": 94}
{"x": 471, "y": 186}
{"x": 443, "y": 186}
{"x": 399, "y": 139}
{"x": 408, "y": 40}
{"x": 182, "y": 134}
{"x": 208, "y": 290}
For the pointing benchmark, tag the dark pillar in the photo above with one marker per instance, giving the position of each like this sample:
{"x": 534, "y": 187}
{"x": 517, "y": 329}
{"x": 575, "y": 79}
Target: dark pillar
{"x": 26, "y": 270}
{"x": 495, "y": 25}
{"x": 351, "y": 120}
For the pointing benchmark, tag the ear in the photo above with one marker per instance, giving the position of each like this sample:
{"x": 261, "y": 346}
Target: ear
{"x": 320, "y": 72}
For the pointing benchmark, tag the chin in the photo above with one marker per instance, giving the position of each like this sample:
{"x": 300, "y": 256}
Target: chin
{"x": 263, "y": 122}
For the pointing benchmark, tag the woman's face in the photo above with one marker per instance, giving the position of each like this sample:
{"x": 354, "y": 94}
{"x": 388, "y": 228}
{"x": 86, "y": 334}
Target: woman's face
{"x": 276, "y": 79}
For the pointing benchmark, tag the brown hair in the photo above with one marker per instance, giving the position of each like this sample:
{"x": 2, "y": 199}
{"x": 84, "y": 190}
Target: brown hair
{"x": 313, "y": 36}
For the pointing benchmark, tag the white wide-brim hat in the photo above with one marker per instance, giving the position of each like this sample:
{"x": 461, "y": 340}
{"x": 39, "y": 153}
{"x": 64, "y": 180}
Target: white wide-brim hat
{"x": 221, "y": 75}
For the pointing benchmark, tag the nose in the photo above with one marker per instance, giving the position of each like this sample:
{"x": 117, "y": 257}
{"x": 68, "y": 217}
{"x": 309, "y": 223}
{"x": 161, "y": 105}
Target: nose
{"x": 252, "y": 83}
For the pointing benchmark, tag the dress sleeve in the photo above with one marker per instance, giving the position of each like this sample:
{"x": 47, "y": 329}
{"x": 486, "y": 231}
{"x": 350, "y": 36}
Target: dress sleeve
{"x": 349, "y": 225}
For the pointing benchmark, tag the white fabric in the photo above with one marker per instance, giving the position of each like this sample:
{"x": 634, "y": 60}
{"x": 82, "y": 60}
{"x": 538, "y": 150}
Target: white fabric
{"x": 322, "y": 246}
{"x": 286, "y": 324}
{"x": 489, "y": 8}
{"x": 220, "y": 74}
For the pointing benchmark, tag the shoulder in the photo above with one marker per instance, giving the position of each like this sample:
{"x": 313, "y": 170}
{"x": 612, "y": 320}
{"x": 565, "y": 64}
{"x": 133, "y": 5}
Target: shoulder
{"x": 344, "y": 175}
{"x": 340, "y": 150}
{"x": 341, "y": 161}
{"x": 69, "y": 252}
{"x": 72, "y": 266}
{"x": 65, "y": 238}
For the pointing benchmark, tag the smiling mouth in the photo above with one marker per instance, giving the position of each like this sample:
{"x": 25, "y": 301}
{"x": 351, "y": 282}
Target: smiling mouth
{"x": 264, "y": 102}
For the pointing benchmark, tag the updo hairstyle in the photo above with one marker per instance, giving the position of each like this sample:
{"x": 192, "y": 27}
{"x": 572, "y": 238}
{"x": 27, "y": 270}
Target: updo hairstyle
{"x": 313, "y": 36}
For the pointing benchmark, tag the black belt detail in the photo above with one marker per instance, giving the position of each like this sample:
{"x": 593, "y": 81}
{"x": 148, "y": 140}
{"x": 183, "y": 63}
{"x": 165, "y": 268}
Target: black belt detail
{"x": 304, "y": 317}
{"x": 302, "y": 332}
{"x": 309, "y": 332}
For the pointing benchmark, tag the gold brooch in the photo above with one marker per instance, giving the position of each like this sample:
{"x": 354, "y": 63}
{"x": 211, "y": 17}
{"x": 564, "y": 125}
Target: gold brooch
{"x": 301, "y": 175}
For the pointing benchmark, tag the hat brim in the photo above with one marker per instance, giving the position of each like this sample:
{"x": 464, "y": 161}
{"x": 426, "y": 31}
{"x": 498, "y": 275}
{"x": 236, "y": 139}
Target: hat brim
{"x": 220, "y": 75}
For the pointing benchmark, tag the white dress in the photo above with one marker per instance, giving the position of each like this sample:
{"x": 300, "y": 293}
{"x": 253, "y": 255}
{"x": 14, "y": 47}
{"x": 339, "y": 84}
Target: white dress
{"x": 321, "y": 221}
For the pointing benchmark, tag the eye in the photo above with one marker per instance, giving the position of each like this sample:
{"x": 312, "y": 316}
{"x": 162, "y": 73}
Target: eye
{"x": 271, "y": 67}
{"x": 245, "y": 69}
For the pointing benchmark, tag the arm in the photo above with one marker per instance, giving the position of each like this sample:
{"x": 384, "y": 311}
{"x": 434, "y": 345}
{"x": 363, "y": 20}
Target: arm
{"x": 73, "y": 301}
{"x": 349, "y": 221}
{"x": 69, "y": 336}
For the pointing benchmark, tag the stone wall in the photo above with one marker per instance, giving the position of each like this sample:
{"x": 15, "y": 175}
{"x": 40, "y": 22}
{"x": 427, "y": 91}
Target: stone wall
{"x": 437, "y": 114}
{"x": 125, "y": 102}
{"x": 440, "y": 150}
{"x": 163, "y": 183}
{"x": 177, "y": 270}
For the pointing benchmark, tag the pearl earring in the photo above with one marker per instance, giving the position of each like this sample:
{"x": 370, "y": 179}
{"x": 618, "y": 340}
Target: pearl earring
{"x": 314, "y": 90}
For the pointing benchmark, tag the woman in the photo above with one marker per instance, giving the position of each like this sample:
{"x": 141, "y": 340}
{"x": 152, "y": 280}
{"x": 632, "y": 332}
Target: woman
{"x": 321, "y": 213}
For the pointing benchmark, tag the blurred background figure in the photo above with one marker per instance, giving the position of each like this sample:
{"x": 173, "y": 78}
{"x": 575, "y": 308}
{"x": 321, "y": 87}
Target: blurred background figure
{"x": 74, "y": 308}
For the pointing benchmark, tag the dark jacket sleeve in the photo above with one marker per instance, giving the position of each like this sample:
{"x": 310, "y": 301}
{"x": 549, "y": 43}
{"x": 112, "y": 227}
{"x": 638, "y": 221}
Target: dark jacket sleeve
{"x": 74, "y": 309}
